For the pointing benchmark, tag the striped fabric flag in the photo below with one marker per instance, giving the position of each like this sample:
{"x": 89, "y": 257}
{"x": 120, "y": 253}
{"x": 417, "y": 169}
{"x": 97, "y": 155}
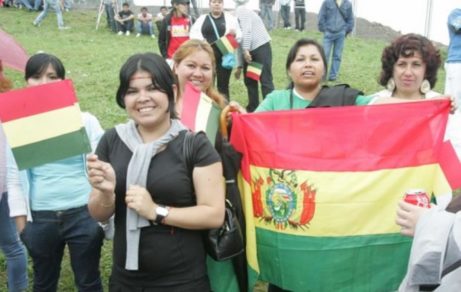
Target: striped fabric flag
{"x": 227, "y": 44}
{"x": 43, "y": 123}
{"x": 254, "y": 70}
{"x": 321, "y": 187}
{"x": 200, "y": 112}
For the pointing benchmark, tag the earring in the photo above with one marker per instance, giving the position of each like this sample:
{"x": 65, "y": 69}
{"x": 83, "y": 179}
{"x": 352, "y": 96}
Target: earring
{"x": 390, "y": 84}
{"x": 425, "y": 87}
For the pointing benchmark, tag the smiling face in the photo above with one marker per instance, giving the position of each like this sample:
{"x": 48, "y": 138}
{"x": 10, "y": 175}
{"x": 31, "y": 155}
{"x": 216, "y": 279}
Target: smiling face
{"x": 196, "y": 68}
{"x": 182, "y": 8}
{"x": 47, "y": 76}
{"x": 307, "y": 68}
{"x": 408, "y": 74}
{"x": 146, "y": 104}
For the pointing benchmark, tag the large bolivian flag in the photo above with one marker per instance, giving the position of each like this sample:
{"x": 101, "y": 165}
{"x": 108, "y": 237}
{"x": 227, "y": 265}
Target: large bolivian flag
{"x": 321, "y": 188}
{"x": 43, "y": 123}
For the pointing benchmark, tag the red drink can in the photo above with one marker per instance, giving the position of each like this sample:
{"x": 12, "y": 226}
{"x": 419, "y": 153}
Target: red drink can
{"x": 417, "y": 197}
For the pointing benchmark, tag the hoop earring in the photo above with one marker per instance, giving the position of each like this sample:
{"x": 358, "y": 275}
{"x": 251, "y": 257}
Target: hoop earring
{"x": 425, "y": 87}
{"x": 390, "y": 84}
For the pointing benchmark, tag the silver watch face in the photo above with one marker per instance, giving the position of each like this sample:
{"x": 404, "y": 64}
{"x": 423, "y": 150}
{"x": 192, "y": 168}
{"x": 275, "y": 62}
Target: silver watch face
{"x": 161, "y": 211}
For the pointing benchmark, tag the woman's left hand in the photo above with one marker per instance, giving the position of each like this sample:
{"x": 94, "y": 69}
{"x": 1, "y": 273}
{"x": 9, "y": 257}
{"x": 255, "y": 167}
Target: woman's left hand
{"x": 408, "y": 216}
{"x": 140, "y": 200}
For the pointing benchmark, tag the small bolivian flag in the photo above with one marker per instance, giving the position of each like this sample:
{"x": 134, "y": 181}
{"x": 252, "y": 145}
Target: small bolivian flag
{"x": 43, "y": 123}
{"x": 254, "y": 71}
{"x": 227, "y": 44}
{"x": 200, "y": 112}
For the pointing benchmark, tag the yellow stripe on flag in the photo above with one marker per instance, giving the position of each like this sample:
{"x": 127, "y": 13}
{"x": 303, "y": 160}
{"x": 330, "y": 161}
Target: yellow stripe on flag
{"x": 43, "y": 126}
{"x": 203, "y": 111}
{"x": 366, "y": 207}
{"x": 228, "y": 45}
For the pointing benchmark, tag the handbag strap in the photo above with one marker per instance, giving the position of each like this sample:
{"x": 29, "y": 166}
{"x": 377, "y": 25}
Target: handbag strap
{"x": 214, "y": 27}
{"x": 340, "y": 11}
{"x": 188, "y": 146}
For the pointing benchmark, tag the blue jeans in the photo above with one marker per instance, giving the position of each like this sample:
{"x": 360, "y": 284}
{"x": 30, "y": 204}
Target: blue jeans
{"x": 51, "y": 4}
{"x": 15, "y": 253}
{"x": 266, "y": 15}
{"x": 144, "y": 28}
{"x": 110, "y": 14}
{"x": 335, "y": 40}
{"x": 45, "y": 239}
{"x": 285, "y": 13}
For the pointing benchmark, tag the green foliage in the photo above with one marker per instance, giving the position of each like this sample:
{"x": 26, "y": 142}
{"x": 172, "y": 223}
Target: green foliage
{"x": 93, "y": 58}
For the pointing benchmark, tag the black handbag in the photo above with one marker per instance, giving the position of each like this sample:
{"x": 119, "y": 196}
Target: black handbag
{"x": 225, "y": 242}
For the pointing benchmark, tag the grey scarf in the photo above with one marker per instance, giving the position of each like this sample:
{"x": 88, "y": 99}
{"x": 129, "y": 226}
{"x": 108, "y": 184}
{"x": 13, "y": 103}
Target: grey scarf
{"x": 137, "y": 175}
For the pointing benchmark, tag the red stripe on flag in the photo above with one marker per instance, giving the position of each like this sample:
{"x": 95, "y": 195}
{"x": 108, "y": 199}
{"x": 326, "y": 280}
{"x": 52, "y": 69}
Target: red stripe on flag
{"x": 253, "y": 76}
{"x": 232, "y": 40}
{"x": 354, "y": 138}
{"x": 34, "y": 100}
{"x": 450, "y": 165}
{"x": 191, "y": 100}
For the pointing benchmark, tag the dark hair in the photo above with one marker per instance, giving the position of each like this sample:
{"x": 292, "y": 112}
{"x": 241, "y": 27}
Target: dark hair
{"x": 406, "y": 46}
{"x": 38, "y": 63}
{"x": 125, "y": 4}
{"x": 144, "y": 8}
{"x": 163, "y": 7}
{"x": 155, "y": 65}
{"x": 294, "y": 51}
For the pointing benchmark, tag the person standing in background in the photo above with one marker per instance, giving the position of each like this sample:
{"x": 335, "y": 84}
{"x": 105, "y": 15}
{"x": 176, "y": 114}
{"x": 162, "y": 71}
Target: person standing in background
{"x": 335, "y": 21}
{"x": 211, "y": 27}
{"x": 11, "y": 246}
{"x": 266, "y": 13}
{"x": 51, "y": 4}
{"x": 109, "y": 7}
{"x": 285, "y": 13}
{"x": 453, "y": 62}
{"x": 255, "y": 47}
{"x": 160, "y": 16}
{"x": 300, "y": 14}
{"x": 175, "y": 28}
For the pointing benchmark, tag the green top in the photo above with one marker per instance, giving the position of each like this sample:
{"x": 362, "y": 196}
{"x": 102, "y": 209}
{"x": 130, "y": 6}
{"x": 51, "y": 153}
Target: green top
{"x": 280, "y": 100}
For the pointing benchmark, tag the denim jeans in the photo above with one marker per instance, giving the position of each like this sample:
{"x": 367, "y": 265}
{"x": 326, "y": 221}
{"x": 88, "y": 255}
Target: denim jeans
{"x": 110, "y": 14}
{"x": 285, "y": 13}
{"x": 266, "y": 15}
{"x": 300, "y": 18}
{"x": 51, "y": 4}
{"x": 15, "y": 253}
{"x": 125, "y": 26}
{"x": 144, "y": 28}
{"x": 261, "y": 55}
{"x": 45, "y": 239}
{"x": 335, "y": 40}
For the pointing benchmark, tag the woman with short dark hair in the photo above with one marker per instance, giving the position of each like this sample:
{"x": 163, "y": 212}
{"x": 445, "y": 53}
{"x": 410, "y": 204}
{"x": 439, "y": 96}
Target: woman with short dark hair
{"x": 161, "y": 205}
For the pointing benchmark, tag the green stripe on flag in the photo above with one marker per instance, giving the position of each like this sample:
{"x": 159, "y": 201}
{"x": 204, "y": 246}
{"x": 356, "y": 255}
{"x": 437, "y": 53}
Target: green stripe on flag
{"x": 212, "y": 125}
{"x": 52, "y": 149}
{"x": 374, "y": 262}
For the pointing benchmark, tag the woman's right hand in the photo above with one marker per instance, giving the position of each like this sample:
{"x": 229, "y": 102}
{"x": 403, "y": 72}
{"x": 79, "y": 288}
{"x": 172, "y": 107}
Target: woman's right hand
{"x": 101, "y": 175}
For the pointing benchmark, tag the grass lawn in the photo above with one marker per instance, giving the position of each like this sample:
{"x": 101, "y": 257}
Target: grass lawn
{"x": 93, "y": 58}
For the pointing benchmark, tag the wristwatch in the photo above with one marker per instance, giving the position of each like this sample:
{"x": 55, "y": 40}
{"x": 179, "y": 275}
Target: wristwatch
{"x": 161, "y": 212}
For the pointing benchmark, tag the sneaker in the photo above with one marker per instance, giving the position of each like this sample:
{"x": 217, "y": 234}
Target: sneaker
{"x": 64, "y": 27}
{"x": 36, "y": 24}
{"x": 152, "y": 36}
{"x": 120, "y": 33}
{"x": 138, "y": 35}
{"x": 127, "y": 33}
